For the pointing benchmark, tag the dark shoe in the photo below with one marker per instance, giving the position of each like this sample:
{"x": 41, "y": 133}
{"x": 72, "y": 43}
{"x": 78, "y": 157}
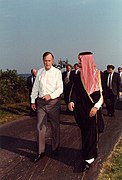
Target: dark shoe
{"x": 39, "y": 156}
{"x": 111, "y": 115}
{"x": 85, "y": 166}
{"x": 79, "y": 166}
{"x": 55, "y": 152}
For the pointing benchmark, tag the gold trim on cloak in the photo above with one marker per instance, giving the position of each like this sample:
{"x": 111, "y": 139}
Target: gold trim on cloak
{"x": 100, "y": 85}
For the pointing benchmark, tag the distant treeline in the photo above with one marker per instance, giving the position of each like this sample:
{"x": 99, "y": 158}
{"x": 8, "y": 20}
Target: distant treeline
{"x": 12, "y": 87}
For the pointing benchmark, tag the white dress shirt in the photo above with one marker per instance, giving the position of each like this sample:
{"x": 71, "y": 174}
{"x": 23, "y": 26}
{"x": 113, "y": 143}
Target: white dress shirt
{"x": 47, "y": 82}
{"x": 100, "y": 102}
{"x": 111, "y": 80}
{"x": 76, "y": 71}
{"x": 68, "y": 74}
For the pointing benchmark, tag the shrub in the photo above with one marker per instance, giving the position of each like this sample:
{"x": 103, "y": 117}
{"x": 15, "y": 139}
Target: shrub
{"x": 12, "y": 87}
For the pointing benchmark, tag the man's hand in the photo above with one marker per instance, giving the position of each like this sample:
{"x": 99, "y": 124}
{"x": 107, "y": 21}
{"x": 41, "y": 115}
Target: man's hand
{"x": 93, "y": 112}
{"x": 33, "y": 106}
{"x": 120, "y": 94}
{"x": 71, "y": 106}
{"x": 46, "y": 97}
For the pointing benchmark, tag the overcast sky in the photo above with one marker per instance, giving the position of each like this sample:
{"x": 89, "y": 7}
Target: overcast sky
{"x": 28, "y": 28}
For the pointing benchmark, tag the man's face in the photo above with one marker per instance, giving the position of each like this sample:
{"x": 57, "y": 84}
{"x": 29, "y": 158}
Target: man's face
{"x": 68, "y": 68}
{"x": 120, "y": 70}
{"x": 76, "y": 67}
{"x": 48, "y": 61}
{"x": 80, "y": 61}
{"x": 110, "y": 70}
{"x": 34, "y": 72}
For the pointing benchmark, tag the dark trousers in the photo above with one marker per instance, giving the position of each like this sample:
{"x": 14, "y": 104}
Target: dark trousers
{"x": 48, "y": 109}
{"x": 110, "y": 101}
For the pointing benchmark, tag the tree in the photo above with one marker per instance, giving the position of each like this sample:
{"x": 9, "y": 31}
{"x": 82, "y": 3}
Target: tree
{"x": 61, "y": 64}
{"x": 12, "y": 87}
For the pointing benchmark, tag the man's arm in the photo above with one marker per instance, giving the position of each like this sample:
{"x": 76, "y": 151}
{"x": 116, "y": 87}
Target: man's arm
{"x": 35, "y": 90}
{"x": 119, "y": 83}
{"x": 59, "y": 87}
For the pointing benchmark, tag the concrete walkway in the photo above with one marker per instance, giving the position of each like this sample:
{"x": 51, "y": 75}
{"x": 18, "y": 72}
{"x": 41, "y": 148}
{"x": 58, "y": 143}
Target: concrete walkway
{"x": 18, "y": 147}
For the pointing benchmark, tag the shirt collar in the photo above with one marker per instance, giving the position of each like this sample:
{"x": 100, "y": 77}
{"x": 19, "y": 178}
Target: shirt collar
{"x": 111, "y": 74}
{"x": 50, "y": 70}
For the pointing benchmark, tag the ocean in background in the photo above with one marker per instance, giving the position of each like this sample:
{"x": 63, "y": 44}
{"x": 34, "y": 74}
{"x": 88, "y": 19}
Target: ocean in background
{"x": 25, "y": 75}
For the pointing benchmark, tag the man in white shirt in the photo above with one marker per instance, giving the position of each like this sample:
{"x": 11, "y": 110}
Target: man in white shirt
{"x": 48, "y": 87}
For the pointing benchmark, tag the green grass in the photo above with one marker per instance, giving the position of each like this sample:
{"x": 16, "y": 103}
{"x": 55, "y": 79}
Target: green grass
{"x": 112, "y": 168}
{"x": 12, "y": 112}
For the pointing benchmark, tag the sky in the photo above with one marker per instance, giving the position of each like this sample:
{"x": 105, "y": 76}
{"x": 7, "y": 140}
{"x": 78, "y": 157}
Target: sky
{"x": 28, "y": 28}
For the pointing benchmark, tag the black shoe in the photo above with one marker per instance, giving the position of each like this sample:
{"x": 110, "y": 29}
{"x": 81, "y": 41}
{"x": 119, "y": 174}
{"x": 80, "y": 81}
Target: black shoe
{"x": 39, "y": 156}
{"x": 79, "y": 166}
{"x": 85, "y": 166}
{"x": 111, "y": 115}
{"x": 55, "y": 152}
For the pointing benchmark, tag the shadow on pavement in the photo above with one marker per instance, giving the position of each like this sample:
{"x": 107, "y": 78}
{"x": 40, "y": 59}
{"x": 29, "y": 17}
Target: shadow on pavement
{"x": 28, "y": 148}
{"x": 18, "y": 146}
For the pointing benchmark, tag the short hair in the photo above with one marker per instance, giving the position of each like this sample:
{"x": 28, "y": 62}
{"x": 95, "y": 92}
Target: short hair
{"x": 47, "y": 53}
{"x": 32, "y": 70}
{"x": 68, "y": 65}
{"x": 110, "y": 67}
{"x": 119, "y": 68}
{"x": 76, "y": 64}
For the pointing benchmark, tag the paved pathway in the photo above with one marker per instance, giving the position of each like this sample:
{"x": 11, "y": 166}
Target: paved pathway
{"x": 18, "y": 147}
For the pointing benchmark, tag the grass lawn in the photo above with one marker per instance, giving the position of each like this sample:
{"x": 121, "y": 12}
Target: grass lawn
{"x": 112, "y": 168}
{"x": 12, "y": 112}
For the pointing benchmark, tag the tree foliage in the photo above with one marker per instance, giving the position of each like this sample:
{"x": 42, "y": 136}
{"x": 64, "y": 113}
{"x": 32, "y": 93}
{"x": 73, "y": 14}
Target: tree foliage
{"x": 61, "y": 64}
{"x": 12, "y": 87}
